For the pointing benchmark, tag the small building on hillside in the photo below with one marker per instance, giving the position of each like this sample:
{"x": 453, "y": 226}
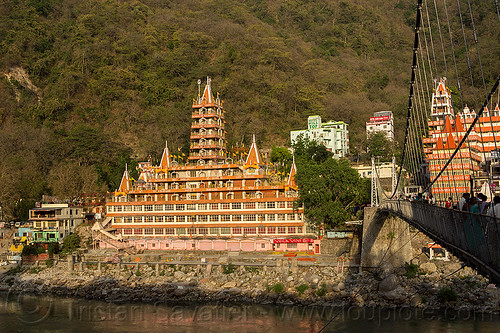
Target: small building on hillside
{"x": 56, "y": 217}
{"x": 334, "y": 135}
{"x": 381, "y": 121}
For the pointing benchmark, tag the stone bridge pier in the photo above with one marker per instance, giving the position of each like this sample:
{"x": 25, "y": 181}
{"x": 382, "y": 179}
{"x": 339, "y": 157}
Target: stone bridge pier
{"x": 385, "y": 239}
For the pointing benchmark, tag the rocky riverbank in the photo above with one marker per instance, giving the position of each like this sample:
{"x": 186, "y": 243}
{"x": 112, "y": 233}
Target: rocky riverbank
{"x": 417, "y": 286}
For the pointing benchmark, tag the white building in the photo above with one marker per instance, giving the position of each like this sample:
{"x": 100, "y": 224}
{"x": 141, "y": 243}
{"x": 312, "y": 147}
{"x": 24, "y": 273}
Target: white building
{"x": 365, "y": 170}
{"x": 333, "y": 135}
{"x": 381, "y": 121}
{"x": 60, "y": 217}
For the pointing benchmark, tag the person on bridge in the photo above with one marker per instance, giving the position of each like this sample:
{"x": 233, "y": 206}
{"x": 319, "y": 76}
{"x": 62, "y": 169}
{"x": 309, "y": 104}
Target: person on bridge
{"x": 494, "y": 210}
{"x": 449, "y": 203}
{"x": 463, "y": 201}
{"x": 484, "y": 204}
{"x": 431, "y": 200}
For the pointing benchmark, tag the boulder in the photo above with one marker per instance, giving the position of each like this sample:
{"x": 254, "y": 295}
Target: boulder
{"x": 398, "y": 294}
{"x": 428, "y": 267}
{"x": 230, "y": 284}
{"x": 313, "y": 278}
{"x": 178, "y": 275}
{"x": 388, "y": 284}
{"x": 416, "y": 300}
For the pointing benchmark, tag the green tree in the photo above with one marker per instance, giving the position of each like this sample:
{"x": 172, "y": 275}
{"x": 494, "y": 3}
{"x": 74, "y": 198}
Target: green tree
{"x": 380, "y": 146}
{"x": 71, "y": 243}
{"x": 328, "y": 188}
{"x": 282, "y": 159}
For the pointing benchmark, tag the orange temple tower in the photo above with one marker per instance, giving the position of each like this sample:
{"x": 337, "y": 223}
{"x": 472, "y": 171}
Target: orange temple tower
{"x": 210, "y": 202}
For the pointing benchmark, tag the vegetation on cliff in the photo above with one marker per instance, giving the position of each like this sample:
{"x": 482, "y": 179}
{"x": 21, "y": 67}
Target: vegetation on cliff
{"x": 87, "y": 86}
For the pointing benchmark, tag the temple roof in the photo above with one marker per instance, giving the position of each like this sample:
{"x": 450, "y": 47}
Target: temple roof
{"x": 291, "y": 177}
{"x": 450, "y": 142}
{"x": 125, "y": 182}
{"x": 253, "y": 157}
{"x": 207, "y": 97}
{"x": 441, "y": 86}
{"x": 448, "y": 128}
{"x": 459, "y": 127}
{"x": 439, "y": 144}
{"x": 165, "y": 158}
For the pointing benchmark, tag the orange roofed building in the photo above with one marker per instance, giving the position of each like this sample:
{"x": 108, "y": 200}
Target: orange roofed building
{"x": 209, "y": 203}
{"x": 446, "y": 130}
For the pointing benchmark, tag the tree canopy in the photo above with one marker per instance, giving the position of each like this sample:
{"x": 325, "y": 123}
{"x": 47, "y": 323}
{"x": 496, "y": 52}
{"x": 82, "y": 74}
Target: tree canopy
{"x": 329, "y": 188}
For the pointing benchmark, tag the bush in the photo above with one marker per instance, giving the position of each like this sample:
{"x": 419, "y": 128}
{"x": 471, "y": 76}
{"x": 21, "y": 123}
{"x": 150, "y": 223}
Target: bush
{"x": 321, "y": 290}
{"x": 412, "y": 270}
{"x": 32, "y": 250}
{"x": 447, "y": 294}
{"x": 35, "y": 270}
{"x": 52, "y": 248}
{"x": 278, "y": 288}
{"x": 14, "y": 270}
{"x": 228, "y": 269}
{"x": 71, "y": 243}
{"x": 251, "y": 269}
{"x": 302, "y": 288}
{"x": 49, "y": 263}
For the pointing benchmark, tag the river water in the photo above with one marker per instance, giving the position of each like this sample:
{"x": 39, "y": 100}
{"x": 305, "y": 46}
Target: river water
{"x": 25, "y": 313}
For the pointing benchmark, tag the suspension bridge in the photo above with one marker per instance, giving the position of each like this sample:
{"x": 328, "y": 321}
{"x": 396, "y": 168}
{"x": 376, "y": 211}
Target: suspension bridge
{"x": 451, "y": 143}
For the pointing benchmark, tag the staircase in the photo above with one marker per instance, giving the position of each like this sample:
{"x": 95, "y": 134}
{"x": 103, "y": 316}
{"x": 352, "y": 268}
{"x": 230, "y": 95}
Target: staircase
{"x": 111, "y": 239}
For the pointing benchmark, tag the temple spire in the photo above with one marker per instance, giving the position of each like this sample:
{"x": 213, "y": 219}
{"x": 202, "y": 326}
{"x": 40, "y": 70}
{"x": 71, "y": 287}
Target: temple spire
{"x": 125, "y": 182}
{"x": 208, "y": 97}
{"x": 165, "y": 157}
{"x": 291, "y": 177}
{"x": 253, "y": 157}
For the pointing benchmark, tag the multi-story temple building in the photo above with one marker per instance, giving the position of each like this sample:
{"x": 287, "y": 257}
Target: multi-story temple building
{"x": 446, "y": 130}
{"x": 208, "y": 199}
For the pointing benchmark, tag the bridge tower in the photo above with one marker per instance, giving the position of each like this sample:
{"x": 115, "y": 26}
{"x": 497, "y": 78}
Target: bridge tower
{"x": 374, "y": 192}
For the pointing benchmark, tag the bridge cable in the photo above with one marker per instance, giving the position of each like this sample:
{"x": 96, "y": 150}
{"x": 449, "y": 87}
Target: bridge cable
{"x": 485, "y": 91}
{"x": 412, "y": 80}
{"x": 498, "y": 11}
{"x": 469, "y": 66}
{"x": 431, "y": 42}
{"x": 441, "y": 38}
{"x": 448, "y": 171}
{"x": 495, "y": 86}
{"x": 460, "y": 95}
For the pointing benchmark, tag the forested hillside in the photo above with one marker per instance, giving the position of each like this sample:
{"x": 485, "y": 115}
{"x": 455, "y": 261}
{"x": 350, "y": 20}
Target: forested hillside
{"x": 86, "y": 86}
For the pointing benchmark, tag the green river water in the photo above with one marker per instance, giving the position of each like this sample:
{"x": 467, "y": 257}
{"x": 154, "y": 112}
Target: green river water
{"x": 25, "y": 313}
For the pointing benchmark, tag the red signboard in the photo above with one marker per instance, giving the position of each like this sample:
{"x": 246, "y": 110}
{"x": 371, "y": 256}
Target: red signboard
{"x": 383, "y": 118}
{"x": 301, "y": 240}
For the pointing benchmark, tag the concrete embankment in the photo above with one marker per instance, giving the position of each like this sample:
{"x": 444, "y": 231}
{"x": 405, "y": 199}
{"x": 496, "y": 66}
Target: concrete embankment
{"x": 425, "y": 286}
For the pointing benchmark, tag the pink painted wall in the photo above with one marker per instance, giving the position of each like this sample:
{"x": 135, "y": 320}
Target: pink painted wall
{"x": 246, "y": 245}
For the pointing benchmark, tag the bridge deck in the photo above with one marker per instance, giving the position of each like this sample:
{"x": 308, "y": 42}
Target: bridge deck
{"x": 471, "y": 237}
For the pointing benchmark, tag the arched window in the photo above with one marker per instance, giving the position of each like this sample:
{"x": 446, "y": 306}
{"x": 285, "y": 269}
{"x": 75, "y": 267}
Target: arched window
{"x": 230, "y": 195}
{"x": 259, "y": 195}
